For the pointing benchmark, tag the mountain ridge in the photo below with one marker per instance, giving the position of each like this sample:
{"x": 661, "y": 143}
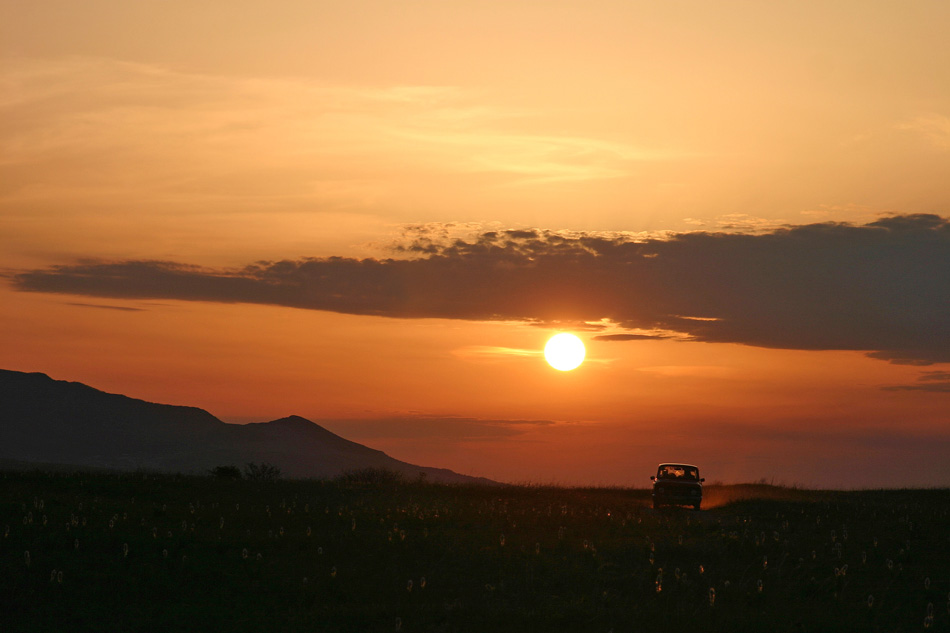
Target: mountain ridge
{"x": 45, "y": 420}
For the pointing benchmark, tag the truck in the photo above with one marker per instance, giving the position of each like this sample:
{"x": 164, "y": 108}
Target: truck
{"x": 677, "y": 485}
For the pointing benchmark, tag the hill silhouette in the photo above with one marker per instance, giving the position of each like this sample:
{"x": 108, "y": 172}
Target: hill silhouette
{"x": 47, "y": 421}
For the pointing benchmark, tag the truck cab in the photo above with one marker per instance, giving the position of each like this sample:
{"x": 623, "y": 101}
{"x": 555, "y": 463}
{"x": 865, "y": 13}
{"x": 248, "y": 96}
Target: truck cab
{"x": 677, "y": 484}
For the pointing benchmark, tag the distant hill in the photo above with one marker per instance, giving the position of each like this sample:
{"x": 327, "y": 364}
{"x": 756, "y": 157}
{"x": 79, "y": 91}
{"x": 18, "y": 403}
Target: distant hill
{"x": 46, "y": 421}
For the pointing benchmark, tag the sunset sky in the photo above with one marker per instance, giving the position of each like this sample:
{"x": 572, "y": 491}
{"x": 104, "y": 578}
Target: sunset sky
{"x": 373, "y": 214}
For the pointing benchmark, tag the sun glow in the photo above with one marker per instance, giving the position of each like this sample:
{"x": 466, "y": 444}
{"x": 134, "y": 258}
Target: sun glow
{"x": 564, "y": 351}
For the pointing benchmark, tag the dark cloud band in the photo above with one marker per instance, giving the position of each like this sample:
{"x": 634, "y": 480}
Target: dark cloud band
{"x": 882, "y": 287}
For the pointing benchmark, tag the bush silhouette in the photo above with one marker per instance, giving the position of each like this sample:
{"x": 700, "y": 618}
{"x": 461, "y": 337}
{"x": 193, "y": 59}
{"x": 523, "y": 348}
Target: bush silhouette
{"x": 225, "y": 472}
{"x": 372, "y": 476}
{"x": 261, "y": 472}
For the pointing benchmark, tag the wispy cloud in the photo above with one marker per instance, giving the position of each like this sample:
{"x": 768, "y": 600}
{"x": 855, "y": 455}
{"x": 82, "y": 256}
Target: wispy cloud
{"x": 101, "y": 124}
{"x": 485, "y": 351}
{"x": 106, "y": 307}
{"x": 935, "y": 128}
{"x": 881, "y": 287}
{"x": 434, "y": 427}
{"x": 933, "y": 381}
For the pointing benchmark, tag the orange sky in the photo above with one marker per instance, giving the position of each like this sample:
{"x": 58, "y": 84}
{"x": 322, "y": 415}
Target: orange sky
{"x": 239, "y": 132}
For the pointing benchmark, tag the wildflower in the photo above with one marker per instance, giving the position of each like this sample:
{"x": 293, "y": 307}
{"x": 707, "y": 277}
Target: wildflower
{"x": 890, "y": 564}
{"x": 501, "y": 540}
{"x": 765, "y": 562}
{"x": 164, "y": 553}
{"x": 712, "y": 596}
{"x": 758, "y": 585}
{"x": 409, "y": 586}
{"x": 353, "y": 524}
{"x": 332, "y": 571}
{"x": 422, "y": 583}
{"x": 244, "y": 553}
{"x": 702, "y": 570}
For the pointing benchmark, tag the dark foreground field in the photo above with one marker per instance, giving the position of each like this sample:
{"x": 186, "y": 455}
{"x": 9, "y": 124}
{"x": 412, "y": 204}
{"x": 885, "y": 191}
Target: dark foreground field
{"x": 104, "y": 552}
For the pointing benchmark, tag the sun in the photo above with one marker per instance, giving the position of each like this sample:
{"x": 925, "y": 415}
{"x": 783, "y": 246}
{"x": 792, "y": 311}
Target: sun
{"x": 564, "y": 351}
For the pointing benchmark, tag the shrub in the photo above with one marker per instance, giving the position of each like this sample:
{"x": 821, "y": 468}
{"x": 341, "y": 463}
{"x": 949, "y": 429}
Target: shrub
{"x": 261, "y": 472}
{"x": 370, "y": 477}
{"x": 225, "y": 472}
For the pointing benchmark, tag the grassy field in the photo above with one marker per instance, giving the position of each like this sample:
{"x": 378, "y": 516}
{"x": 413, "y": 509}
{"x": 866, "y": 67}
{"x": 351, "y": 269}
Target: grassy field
{"x": 135, "y": 552}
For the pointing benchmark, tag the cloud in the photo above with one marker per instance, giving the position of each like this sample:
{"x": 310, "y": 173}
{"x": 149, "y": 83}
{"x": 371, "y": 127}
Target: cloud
{"x": 881, "y": 287}
{"x": 106, "y": 307}
{"x": 105, "y": 125}
{"x": 935, "y": 128}
{"x": 436, "y": 427}
{"x": 631, "y": 337}
{"x": 933, "y": 381}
